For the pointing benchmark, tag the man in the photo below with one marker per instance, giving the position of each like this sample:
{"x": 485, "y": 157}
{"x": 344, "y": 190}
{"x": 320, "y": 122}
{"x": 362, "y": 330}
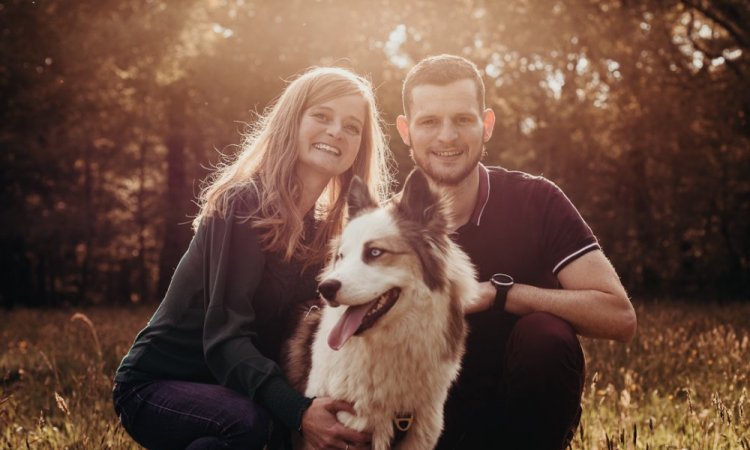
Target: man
{"x": 523, "y": 372}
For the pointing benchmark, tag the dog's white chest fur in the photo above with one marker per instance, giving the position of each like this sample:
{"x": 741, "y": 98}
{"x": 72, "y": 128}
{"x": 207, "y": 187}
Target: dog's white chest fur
{"x": 404, "y": 368}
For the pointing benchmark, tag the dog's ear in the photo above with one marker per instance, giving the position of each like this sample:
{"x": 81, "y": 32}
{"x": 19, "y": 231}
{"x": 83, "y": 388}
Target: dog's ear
{"x": 419, "y": 203}
{"x": 423, "y": 218}
{"x": 359, "y": 199}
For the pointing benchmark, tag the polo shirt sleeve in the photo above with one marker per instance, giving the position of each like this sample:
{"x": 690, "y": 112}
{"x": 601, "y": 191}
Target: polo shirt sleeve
{"x": 233, "y": 268}
{"x": 566, "y": 235}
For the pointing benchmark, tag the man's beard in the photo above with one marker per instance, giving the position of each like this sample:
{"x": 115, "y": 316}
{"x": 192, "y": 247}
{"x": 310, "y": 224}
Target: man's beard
{"x": 450, "y": 178}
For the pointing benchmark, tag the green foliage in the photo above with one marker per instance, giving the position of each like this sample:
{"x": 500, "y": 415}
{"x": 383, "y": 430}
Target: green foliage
{"x": 681, "y": 383}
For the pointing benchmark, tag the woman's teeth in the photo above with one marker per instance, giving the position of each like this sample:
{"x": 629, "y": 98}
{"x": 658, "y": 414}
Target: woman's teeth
{"x": 327, "y": 148}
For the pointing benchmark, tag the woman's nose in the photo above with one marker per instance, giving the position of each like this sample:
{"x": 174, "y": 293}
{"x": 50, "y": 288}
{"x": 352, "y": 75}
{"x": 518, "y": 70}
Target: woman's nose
{"x": 334, "y": 128}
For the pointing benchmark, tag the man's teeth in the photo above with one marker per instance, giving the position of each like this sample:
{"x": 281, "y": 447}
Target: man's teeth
{"x": 453, "y": 153}
{"x": 327, "y": 148}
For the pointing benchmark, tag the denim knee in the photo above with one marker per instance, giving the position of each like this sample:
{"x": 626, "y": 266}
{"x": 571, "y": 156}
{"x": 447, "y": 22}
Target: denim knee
{"x": 207, "y": 443}
{"x": 250, "y": 430}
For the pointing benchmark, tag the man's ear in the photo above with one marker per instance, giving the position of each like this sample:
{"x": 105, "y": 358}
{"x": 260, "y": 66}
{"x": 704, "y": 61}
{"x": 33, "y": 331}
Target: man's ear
{"x": 402, "y": 125}
{"x": 488, "y": 123}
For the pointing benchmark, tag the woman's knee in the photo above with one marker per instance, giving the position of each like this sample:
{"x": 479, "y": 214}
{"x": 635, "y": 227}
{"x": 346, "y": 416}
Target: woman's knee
{"x": 251, "y": 427}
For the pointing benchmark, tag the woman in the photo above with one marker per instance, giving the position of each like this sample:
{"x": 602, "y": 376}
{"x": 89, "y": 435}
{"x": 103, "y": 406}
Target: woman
{"x": 204, "y": 372}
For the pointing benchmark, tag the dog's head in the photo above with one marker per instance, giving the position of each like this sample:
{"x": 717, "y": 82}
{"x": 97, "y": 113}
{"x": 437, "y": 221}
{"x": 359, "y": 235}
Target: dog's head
{"x": 386, "y": 257}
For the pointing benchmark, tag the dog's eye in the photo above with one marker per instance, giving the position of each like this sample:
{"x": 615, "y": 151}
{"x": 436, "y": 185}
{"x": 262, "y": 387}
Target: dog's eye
{"x": 375, "y": 252}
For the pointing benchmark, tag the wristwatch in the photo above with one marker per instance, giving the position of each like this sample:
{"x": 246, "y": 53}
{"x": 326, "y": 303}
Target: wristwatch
{"x": 502, "y": 283}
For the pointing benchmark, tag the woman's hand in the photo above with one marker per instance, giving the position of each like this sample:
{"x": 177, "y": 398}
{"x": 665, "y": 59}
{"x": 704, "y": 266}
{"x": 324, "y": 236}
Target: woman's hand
{"x": 322, "y": 430}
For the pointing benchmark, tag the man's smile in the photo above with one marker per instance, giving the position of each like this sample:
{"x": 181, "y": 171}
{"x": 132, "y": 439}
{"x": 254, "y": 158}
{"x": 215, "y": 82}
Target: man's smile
{"x": 447, "y": 153}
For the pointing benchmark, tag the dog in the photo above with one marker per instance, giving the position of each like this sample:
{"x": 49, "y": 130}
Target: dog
{"x": 391, "y": 333}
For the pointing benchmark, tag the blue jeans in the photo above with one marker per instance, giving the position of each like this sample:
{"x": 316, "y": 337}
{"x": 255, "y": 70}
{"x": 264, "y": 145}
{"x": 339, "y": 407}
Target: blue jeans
{"x": 173, "y": 414}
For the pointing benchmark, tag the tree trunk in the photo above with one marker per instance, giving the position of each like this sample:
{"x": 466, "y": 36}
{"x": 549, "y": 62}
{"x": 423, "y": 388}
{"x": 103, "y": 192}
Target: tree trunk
{"x": 176, "y": 222}
{"x": 89, "y": 228}
{"x": 141, "y": 220}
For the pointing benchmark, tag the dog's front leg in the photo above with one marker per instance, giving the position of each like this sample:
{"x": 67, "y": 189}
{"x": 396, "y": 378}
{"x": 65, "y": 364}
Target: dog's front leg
{"x": 381, "y": 436}
{"x": 424, "y": 432}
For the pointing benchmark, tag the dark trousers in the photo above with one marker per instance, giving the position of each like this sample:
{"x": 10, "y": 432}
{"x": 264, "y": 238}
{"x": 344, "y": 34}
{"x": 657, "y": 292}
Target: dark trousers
{"x": 535, "y": 403}
{"x": 174, "y": 414}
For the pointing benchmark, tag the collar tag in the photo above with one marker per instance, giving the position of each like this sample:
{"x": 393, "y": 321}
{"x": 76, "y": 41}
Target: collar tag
{"x": 403, "y": 422}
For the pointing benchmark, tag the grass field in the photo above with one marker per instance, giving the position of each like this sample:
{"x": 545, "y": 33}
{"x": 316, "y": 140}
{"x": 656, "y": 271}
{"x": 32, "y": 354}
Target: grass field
{"x": 681, "y": 384}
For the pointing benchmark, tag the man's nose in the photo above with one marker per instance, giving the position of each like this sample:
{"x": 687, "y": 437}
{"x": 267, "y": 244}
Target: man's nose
{"x": 447, "y": 132}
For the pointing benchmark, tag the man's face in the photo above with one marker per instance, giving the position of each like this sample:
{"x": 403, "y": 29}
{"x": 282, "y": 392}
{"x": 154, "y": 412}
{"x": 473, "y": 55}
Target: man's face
{"x": 446, "y": 130}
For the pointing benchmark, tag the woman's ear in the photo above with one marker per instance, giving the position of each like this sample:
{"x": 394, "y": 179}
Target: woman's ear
{"x": 402, "y": 125}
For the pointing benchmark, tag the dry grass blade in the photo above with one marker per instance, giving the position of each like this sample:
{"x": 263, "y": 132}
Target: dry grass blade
{"x": 62, "y": 404}
{"x": 52, "y": 367}
{"x": 84, "y": 318}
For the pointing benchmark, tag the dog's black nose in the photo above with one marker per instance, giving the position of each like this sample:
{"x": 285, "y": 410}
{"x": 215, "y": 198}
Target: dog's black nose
{"x": 329, "y": 288}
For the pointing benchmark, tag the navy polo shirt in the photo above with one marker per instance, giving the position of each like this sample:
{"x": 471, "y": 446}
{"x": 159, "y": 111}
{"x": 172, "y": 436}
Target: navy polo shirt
{"x": 524, "y": 226}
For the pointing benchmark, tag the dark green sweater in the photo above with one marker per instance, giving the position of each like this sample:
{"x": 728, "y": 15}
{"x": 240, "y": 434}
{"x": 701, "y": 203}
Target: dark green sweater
{"x": 228, "y": 310}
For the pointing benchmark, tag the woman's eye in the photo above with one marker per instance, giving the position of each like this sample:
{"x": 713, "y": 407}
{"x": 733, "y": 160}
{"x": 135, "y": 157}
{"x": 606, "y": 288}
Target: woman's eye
{"x": 353, "y": 129}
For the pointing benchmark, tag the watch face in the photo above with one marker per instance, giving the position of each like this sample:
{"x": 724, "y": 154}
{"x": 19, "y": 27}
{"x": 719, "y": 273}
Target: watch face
{"x": 502, "y": 280}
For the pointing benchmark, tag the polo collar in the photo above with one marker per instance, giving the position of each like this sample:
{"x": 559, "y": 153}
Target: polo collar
{"x": 483, "y": 195}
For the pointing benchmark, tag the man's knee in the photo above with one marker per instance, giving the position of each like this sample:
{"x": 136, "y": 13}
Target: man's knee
{"x": 545, "y": 341}
{"x": 542, "y": 381}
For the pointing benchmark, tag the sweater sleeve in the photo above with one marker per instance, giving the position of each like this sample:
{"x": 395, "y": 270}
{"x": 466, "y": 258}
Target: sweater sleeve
{"x": 233, "y": 269}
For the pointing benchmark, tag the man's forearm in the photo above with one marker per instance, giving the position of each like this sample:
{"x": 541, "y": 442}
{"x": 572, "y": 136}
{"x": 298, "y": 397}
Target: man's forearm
{"x": 592, "y": 300}
{"x": 592, "y": 313}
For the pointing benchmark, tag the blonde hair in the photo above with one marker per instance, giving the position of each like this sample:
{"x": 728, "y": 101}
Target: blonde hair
{"x": 267, "y": 161}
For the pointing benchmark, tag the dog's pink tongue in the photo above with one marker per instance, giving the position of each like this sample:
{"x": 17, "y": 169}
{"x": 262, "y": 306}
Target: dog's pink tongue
{"x": 347, "y": 325}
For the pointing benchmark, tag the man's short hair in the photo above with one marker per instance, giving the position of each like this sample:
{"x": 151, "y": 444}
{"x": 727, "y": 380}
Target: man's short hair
{"x": 441, "y": 70}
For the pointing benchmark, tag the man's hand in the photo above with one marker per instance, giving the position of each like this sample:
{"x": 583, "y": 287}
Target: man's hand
{"x": 322, "y": 430}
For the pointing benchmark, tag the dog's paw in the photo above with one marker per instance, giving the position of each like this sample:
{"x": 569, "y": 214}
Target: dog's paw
{"x": 351, "y": 421}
